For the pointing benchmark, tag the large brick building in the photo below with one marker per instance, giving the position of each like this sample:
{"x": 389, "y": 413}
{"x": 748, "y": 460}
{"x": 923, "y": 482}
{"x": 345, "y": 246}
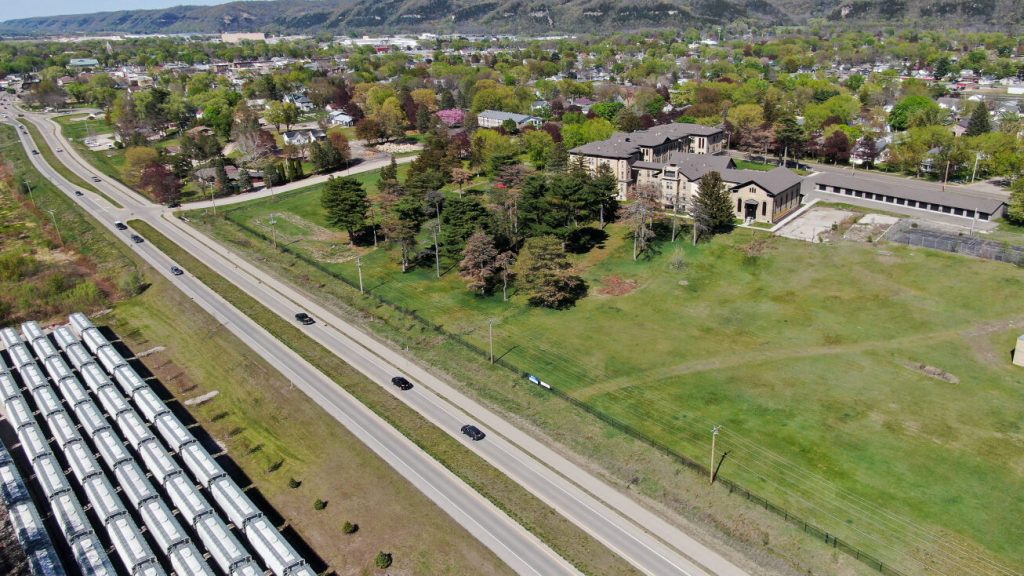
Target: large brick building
{"x": 674, "y": 157}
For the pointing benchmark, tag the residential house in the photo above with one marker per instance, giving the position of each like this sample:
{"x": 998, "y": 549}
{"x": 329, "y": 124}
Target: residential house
{"x": 302, "y": 137}
{"x": 339, "y": 118}
{"x": 495, "y": 118}
{"x": 301, "y": 102}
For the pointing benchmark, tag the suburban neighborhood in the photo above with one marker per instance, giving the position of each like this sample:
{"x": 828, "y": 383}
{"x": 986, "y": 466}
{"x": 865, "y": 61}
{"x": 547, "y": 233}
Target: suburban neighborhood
{"x": 359, "y": 292}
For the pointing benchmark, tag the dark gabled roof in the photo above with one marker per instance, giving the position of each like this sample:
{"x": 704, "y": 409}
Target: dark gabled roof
{"x": 623, "y": 145}
{"x": 773, "y": 181}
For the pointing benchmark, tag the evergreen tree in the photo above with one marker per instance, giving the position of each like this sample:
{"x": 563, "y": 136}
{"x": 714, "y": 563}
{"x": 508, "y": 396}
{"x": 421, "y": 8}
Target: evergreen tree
{"x": 346, "y": 204}
{"x": 545, "y": 274}
{"x": 979, "y": 122}
{"x": 460, "y": 218}
{"x": 559, "y": 159}
{"x": 604, "y": 192}
{"x": 422, "y": 119}
{"x": 713, "y": 212}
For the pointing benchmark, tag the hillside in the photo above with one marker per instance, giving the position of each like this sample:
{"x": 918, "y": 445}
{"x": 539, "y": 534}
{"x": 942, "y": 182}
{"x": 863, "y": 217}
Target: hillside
{"x": 518, "y": 16}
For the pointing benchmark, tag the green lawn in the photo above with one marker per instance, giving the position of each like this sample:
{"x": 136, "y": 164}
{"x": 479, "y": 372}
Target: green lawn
{"x": 566, "y": 539}
{"x": 108, "y": 162}
{"x": 809, "y": 356}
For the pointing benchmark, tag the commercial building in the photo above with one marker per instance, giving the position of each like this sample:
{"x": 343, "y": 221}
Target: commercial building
{"x": 495, "y": 118}
{"x": 910, "y": 194}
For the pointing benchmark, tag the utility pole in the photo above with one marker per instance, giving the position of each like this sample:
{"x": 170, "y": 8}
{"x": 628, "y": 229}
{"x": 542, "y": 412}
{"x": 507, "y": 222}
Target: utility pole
{"x": 490, "y": 337}
{"x": 359, "y": 268}
{"x": 945, "y": 178}
{"x": 273, "y": 227}
{"x": 373, "y": 225}
{"x": 714, "y": 436}
{"x": 55, "y": 227}
{"x": 675, "y": 216}
{"x": 30, "y": 196}
{"x": 977, "y": 156}
{"x": 212, "y": 201}
{"x": 437, "y": 254}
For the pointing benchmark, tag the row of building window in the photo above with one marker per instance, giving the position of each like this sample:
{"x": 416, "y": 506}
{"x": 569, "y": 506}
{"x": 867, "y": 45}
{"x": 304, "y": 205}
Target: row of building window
{"x": 904, "y": 202}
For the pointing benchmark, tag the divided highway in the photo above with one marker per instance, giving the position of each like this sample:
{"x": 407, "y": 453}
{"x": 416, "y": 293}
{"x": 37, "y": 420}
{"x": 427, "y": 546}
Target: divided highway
{"x": 521, "y": 550}
{"x": 641, "y": 537}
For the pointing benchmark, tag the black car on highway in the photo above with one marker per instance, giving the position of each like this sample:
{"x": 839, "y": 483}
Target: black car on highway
{"x": 304, "y": 318}
{"x": 137, "y": 239}
{"x": 177, "y": 271}
{"x": 473, "y": 432}
{"x": 78, "y": 193}
{"x": 120, "y": 225}
{"x": 401, "y": 382}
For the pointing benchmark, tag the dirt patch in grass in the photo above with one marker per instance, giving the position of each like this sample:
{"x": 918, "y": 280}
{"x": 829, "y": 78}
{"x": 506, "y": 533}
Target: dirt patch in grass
{"x": 616, "y": 286}
{"x": 932, "y": 372}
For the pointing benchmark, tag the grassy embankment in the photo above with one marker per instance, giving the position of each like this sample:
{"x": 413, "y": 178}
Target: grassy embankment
{"x": 272, "y": 432}
{"x": 841, "y": 360}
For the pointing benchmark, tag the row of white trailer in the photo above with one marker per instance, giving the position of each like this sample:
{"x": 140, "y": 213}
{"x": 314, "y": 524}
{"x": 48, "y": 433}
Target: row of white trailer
{"x": 136, "y": 411}
{"x": 25, "y": 520}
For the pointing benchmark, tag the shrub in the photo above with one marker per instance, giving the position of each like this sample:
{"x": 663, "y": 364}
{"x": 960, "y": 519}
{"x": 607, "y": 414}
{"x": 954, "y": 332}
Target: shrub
{"x": 319, "y": 504}
{"x": 293, "y": 483}
{"x": 383, "y": 560}
{"x": 349, "y": 528}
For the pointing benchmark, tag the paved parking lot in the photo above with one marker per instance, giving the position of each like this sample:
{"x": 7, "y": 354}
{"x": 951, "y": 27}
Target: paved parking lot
{"x": 811, "y": 224}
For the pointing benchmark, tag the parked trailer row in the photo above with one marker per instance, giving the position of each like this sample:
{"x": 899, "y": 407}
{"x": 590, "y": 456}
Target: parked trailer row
{"x": 9, "y": 336}
{"x": 63, "y": 504}
{"x": 275, "y": 551}
{"x": 25, "y": 520}
{"x": 184, "y": 557}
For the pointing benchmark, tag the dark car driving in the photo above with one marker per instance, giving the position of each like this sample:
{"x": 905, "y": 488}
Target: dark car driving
{"x": 304, "y": 318}
{"x": 473, "y": 432}
{"x": 137, "y": 239}
{"x": 401, "y": 382}
{"x": 177, "y": 271}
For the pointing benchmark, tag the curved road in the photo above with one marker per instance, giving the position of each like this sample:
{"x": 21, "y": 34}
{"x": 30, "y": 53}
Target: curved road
{"x": 521, "y": 550}
{"x": 641, "y": 537}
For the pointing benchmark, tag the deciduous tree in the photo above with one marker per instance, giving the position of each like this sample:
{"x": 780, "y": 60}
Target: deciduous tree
{"x": 478, "y": 266}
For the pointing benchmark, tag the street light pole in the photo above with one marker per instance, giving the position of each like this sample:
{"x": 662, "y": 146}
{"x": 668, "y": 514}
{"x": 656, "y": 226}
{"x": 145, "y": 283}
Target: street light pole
{"x": 437, "y": 255}
{"x": 490, "y": 337}
{"x": 55, "y": 227}
{"x": 359, "y": 268}
{"x": 30, "y": 196}
{"x": 714, "y": 436}
{"x": 273, "y": 228}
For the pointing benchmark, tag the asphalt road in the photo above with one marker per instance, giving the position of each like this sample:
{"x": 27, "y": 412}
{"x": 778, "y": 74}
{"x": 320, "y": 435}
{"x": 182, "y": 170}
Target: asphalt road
{"x": 520, "y": 549}
{"x": 641, "y": 537}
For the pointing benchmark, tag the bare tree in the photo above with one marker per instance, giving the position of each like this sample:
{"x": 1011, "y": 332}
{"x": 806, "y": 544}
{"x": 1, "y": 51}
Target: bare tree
{"x": 503, "y": 264}
{"x": 478, "y": 262}
{"x": 641, "y": 214}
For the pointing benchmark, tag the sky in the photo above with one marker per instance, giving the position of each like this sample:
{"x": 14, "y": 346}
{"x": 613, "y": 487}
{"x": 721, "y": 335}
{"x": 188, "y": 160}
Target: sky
{"x": 13, "y": 9}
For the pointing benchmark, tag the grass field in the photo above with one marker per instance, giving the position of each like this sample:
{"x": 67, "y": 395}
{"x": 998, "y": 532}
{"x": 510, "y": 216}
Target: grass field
{"x": 107, "y": 162}
{"x": 564, "y": 538}
{"x": 868, "y": 390}
{"x": 271, "y": 431}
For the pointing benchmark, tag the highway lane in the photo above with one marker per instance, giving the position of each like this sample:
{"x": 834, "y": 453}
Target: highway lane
{"x": 643, "y": 538}
{"x": 513, "y": 544}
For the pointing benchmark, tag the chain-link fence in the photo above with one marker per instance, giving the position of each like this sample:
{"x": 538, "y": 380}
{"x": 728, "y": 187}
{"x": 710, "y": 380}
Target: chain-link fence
{"x": 805, "y": 525}
{"x": 906, "y": 233}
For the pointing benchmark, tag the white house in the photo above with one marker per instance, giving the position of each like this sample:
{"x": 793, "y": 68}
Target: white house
{"x": 495, "y": 118}
{"x": 302, "y": 137}
{"x": 339, "y": 118}
{"x": 301, "y": 102}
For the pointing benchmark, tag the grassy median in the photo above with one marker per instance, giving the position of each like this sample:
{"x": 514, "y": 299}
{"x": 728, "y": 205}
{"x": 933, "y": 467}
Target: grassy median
{"x": 564, "y": 537}
{"x": 51, "y": 158}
